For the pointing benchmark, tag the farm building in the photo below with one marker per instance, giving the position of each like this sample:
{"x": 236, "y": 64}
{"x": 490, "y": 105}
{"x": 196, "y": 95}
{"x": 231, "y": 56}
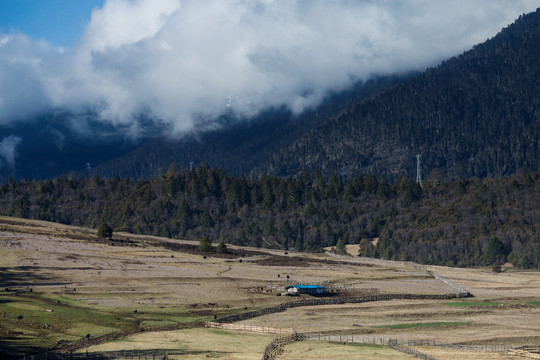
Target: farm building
{"x": 316, "y": 290}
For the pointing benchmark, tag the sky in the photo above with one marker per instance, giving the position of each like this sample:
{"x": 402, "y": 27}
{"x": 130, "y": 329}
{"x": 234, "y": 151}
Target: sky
{"x": 60, "y": 22}
{"x": 182, "y": 62}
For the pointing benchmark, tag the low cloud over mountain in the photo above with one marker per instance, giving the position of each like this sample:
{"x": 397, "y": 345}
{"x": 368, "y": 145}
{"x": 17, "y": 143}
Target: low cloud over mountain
{"x": 186, "y": 61}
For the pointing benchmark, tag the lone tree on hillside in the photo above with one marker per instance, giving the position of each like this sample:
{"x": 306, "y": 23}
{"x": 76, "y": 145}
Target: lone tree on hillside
{"x": 221, "y": 248}
{"x": 340, "y": 247}
{"x": 104, "y": 231}
{"x": 205, "y": 245}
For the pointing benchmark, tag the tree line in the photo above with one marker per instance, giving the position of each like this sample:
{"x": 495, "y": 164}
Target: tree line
{"x": 470, "y": 222}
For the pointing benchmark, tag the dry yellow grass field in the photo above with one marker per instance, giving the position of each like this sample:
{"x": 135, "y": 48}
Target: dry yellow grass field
{"x": 193, "y": 344}
{"x": 314, "y": 350}
{"x": 449, "y": 354}
{"x": 175, "y": 287}
{"x": 511, "y": 322}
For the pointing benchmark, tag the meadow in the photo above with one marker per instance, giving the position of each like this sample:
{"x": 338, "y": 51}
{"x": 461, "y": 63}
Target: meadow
{"x": 61, "y": 284}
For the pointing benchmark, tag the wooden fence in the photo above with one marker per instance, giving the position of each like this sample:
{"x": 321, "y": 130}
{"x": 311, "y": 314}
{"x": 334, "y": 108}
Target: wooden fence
{"x": 460, "y": 290}
{"x": 531, "y": 352}
{"x": 275, "y": 348}
{"x": 252, "y": 328}
{"x": 64, "y": 346}
{"x": 376, "y": 340}
{"x": 331, "y": 301}
{"x": 395, "y": 346}
{"x": 111, "y": 355}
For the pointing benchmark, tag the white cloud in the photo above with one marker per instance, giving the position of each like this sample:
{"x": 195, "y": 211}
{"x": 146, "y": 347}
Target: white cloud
{"x": 8, "y": 150}
{"x": 179, "y": 59}
{"x": 123, "y": 22}
{"x": 22, "y": 91}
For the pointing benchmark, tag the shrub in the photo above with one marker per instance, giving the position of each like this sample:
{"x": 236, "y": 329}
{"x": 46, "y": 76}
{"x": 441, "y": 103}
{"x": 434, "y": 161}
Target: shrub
{"x": 205, "y": 244}
{"x": 221, "y": 248}
{"x": 105, "y": 231}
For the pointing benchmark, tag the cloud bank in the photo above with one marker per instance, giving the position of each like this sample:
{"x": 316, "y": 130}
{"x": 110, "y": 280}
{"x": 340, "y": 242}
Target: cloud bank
{"x": 179, "y": 61}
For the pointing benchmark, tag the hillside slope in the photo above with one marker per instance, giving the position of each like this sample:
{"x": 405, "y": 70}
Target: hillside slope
{"x": 63, "y": 141}
{"x": 239, "y": 145}
{"x": 477, "y": 114}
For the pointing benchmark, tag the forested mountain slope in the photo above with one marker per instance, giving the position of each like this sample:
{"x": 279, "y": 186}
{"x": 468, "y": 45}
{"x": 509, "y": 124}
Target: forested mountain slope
{"x": 474, "y": 115}
{"x": 63, "y": 141}
{"x": 477, "y": 114}
{"x": 466, "y": 223}
{"x": 239, "y": 145}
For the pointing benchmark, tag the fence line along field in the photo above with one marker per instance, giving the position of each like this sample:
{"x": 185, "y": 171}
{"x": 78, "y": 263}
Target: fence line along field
{"x": 61, "y": 284}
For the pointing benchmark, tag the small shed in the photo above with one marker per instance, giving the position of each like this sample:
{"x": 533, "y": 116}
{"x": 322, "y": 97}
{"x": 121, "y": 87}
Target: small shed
{"x": 315, "y": 290}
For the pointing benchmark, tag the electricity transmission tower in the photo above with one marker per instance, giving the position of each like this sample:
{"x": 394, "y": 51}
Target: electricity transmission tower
{"x": 418, "y": 170}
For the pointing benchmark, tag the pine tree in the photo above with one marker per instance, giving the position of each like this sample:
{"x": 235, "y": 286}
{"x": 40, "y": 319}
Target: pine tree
{"x": 221, "y": 248}
{"x": 105, "y": 231}
{"x": 340, "y": 247}
{"x": 183, "y": 218}
{"x": 205, "y": 244}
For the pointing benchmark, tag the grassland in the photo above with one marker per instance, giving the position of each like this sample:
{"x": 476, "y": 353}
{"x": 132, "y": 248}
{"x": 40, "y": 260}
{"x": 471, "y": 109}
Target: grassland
{"x": 421, "y": 325}
{"x": 63, "y": 285}
{"x": 197, "y": 343}
{"x": 473, "y": 303}
{"x": 316, "y": 350}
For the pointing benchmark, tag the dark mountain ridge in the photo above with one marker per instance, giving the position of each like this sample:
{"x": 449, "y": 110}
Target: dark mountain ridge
{"x": 238, "y": 145}
{"x": 477, "y": 114}
{"x": 63, "y": 141}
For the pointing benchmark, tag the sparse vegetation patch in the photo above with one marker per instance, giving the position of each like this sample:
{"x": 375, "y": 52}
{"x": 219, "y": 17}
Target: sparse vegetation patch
{"x": 419, "y": 325}
{"x": 473, "y": 303}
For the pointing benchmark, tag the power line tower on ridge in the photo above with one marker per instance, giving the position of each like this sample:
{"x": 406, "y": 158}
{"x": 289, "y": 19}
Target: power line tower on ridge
{"x": 418, "y": 170}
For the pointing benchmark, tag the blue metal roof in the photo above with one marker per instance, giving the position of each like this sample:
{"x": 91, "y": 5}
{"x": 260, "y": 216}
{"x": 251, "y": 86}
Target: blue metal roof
{"x": 308, "y": 286}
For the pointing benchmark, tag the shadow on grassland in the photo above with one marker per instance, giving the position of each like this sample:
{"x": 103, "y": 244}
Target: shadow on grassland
{"x": 14, "y": 347}
{"x": 151, "y": 354}
{"x": 17, "y": 336}
{"x": 24, "y": 276}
